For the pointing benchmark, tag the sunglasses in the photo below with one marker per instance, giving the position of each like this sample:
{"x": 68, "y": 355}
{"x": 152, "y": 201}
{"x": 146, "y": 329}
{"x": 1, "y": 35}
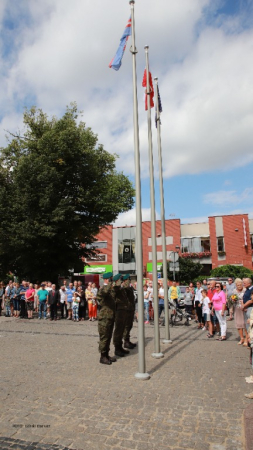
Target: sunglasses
{"x": 217, "y": 285}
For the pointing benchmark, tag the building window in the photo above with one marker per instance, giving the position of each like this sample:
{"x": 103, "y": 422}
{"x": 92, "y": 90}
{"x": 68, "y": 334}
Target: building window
{"x": 96, "y": 258}
{"x": 169, "y": 241}
{"x": 220, "y": 244}
{"x": 205, "y": 245}
{"x": 195, "y": 245}
{"x": 97, "y": 244}
{"x": 126, "y": 250}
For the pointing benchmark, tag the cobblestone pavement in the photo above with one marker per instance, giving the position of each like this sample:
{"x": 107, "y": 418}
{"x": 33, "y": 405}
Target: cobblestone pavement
{"x": 54, "y": 393}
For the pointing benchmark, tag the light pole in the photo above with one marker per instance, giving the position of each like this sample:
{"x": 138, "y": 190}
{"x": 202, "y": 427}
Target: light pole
{"x": 174, "y": 261}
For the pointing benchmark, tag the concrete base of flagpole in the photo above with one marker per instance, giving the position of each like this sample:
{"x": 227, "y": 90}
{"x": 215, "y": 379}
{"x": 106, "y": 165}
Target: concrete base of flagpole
{"x": 142, "y": 376}
{"x": 167, "y": 341}
{"x": 157, "y": 355}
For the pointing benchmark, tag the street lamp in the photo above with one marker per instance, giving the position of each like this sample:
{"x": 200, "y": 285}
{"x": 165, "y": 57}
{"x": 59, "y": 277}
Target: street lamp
{"x": 174, "y": 261}
{"x": 177, "y": 250}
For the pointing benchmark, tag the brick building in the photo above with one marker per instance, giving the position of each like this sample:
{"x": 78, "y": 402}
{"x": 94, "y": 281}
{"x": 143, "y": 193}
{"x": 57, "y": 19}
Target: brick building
{"x": 222, "y": 240}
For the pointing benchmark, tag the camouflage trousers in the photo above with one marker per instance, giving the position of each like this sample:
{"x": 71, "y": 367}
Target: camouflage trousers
{"x": 120, "y": 323}
{"x": 129, "y": 325}
{"x": 105, "y": 330}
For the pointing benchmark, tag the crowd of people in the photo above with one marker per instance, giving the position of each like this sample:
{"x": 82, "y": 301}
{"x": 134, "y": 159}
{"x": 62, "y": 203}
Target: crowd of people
{"x": 70, "y": 302}
{"x": 211, "y": 303}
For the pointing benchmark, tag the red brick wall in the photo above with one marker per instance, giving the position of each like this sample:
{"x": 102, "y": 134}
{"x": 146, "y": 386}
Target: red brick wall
{"x": 172, "y": 228}
{"x": 236, "y": 252}
{"x": 105, "y": 235}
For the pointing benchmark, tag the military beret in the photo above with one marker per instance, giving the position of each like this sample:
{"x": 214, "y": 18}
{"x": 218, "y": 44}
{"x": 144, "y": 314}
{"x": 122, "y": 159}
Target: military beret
{"x": 117, "y": 277}
{"x": 126, "y": 277}
{"x": 107, "y": 275}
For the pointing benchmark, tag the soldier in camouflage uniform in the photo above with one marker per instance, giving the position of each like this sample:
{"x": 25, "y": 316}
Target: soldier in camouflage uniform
{"x": 106, "y": 318}
{"x": 122, "y": 306}
{"x": 129, "y": 290}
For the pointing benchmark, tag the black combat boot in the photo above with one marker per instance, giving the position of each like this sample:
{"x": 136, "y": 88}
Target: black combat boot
{"x": 111, "y": 358}
{"x": 104, "y": 359}
{"x": 120, "y": 351}
{"x": 128, "y": 344}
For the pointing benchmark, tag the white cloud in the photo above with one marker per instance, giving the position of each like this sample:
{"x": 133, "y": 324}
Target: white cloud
{"x": 228, "y": 198}
{"x": 205, "y": 79}
{"x": 129, "y": 218}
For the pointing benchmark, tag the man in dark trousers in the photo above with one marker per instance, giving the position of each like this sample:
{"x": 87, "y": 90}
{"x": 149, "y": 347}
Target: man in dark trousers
{"x": 129, "y": 290}
{"x": 53, "y": 300}
{"x": 23, "y": 311}
{"x": 122, "y": 306}
{"x": 106, "y": 318}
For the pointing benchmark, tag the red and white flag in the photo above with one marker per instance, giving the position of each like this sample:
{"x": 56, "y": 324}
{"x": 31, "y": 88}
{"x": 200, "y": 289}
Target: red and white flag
{"x": 151, "y": 90}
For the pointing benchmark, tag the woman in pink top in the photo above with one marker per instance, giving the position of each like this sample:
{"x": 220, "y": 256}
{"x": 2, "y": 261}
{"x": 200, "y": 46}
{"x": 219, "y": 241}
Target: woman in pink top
{"x": 29, "y": 298}
{"x": 219, "y": 306}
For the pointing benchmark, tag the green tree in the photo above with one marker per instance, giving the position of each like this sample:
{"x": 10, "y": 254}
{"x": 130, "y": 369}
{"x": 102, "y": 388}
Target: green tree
{"x": 188, "y": 271}
{"x": 58, "y": 187}
{"x": 232, "y": 271}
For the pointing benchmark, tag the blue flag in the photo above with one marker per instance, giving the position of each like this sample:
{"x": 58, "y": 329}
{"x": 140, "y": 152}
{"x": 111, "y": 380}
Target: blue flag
{"x": 117, "y": 60}
{"x": 160, "y": 108}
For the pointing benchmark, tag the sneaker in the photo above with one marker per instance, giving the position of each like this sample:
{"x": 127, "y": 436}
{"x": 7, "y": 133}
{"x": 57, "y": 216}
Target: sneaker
{"x": 39, "y": 318}
{"x": 249, "y": 379}
{"x": 146, "y": 322}
{"x": 204, "y": 329}
{"x": 249, "y": 395}
{"x": 45, "y": 318}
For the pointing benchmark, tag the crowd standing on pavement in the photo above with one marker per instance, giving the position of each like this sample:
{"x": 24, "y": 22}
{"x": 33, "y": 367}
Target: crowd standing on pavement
{"x": 212, "y": 303}
{"x": 69, "y": 302}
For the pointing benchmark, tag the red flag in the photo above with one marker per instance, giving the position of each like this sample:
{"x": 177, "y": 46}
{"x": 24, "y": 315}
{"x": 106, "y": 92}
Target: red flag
{"x": 151, "y": 90}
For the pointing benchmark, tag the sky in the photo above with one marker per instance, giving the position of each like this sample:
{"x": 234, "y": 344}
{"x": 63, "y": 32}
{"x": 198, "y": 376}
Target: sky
{"x": 54, "y": 52}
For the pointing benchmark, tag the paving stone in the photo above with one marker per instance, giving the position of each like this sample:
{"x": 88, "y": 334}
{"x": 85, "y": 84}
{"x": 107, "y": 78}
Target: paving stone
{"x": 187, "y": 404}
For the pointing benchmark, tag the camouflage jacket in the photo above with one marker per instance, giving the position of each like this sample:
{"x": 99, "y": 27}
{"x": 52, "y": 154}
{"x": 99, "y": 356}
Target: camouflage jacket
{"x": 121, "y": 298}
{"x": 131, "y": 298}
{"x": 106, "y": 298}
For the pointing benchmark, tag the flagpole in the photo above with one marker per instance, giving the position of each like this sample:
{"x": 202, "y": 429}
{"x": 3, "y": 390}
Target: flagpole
{"x": 139, "y": 259}
{"x": 167, "y": 339}
{"x": 157, "y": 353}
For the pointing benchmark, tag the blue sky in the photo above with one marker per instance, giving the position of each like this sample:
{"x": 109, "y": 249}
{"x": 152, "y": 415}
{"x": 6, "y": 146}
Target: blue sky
{"x": 52, "y": 53}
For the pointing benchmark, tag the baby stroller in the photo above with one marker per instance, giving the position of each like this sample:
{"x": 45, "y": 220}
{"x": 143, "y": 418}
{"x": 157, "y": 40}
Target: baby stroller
{"x": 178, "y": 313}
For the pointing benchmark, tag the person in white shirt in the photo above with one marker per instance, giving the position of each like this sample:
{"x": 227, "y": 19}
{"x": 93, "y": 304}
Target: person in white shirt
{"x": 198, "y": 304}
{"x": 63, "y": 302}
{"x": 206, "y": 313}
{"x": 151, "y": 298}
{"x": 160, "y": 300}
{"x": 146, "y": 303}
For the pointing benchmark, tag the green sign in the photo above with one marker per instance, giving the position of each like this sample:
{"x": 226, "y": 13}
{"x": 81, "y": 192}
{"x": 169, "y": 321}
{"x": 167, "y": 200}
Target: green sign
{"x": 150, "y": 267}
{"x": 97, "y": 269}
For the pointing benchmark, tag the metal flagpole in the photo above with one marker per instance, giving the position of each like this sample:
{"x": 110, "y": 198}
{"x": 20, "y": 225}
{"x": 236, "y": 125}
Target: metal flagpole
{"x": 167, "y": 339}
{"x": 157, "y": 353}
{"x": 139, "y": 260}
